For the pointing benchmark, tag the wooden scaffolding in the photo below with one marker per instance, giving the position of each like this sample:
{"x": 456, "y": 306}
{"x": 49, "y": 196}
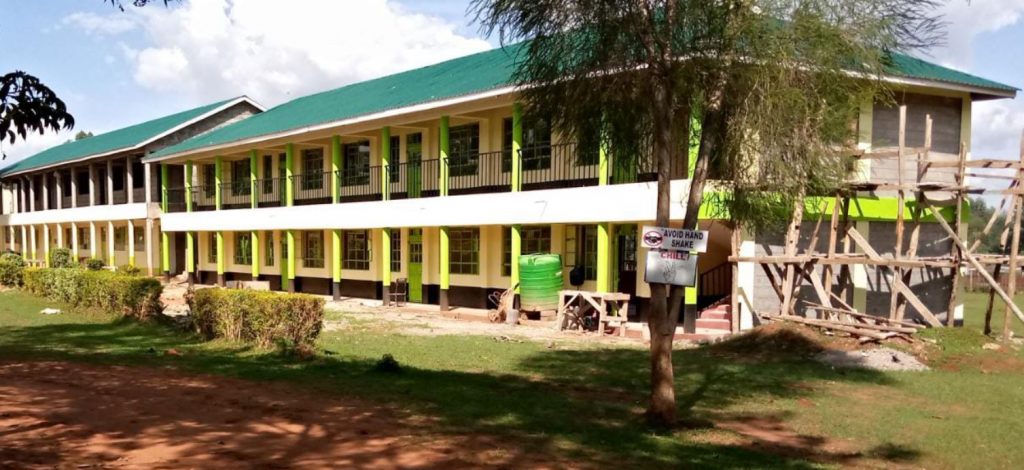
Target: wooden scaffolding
{"x": 828, "y": 272}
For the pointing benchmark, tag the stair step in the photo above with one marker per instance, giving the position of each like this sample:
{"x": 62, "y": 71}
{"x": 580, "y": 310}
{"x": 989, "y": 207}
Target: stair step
{"x": 713, "y": 315}
{"x": 714, "y": 324}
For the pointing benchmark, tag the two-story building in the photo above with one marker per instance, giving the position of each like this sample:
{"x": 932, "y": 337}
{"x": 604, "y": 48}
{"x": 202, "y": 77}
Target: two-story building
{"x": 440, "y": 176}
{"x": 95, "y": 196}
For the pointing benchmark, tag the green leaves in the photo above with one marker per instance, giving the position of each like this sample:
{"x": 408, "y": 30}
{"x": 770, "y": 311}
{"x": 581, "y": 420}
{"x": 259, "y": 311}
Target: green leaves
{"x": 27, "y": 105}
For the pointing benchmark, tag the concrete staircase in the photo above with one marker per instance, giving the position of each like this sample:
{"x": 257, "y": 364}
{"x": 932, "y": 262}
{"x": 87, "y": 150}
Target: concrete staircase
{"x": 715, "y": 320}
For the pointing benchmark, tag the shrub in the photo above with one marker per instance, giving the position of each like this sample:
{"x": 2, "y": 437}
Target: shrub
{"x": 94, "y": 264}
{"x": 131, "y": 296}
{"x": 264, "y": 318}
{"x": 61, "y": 258}
{"x": 12, "y": 267}
{"x": 129, "y": 270}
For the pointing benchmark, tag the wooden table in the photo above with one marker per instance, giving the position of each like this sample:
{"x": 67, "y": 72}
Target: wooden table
{"x": 610, "y": 307}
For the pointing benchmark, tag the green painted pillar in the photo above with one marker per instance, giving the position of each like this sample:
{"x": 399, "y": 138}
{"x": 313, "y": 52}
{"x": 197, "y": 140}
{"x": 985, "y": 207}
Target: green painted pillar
{"x": 604, "y": 258}
{"x": 190, "y": 241}
{"x": 290, "y": 240}
{"x": 218, "y": 194}
{"x": 255, "y": 238}
{"x": 443, "y": 146}
{"x": 165, "y": 241}
{"x": 517, "y": 146}
{"x": 255, "y": 244}
{"x": 289, "y": 171}
{"x": 130, "y": 234}
{"x": 336, "y": 234}
{"x": 335, "y": 168}
{"x": 517, "y": 251}
{"x": 385, "y": 163}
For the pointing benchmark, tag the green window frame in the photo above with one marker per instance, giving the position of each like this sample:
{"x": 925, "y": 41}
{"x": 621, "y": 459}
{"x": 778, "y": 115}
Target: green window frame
{"x": 536, "y": 149}
{"x": 356, "y": 163}
{"x": 414, "y": 147}
{"x": 268, "y": 238}
{"x": 243, "y": 248}
{"x": 464, "y": 150}
{"x": 356, "y": 250}
{"x": 140, "y": 239}
{"x": 395, "y": 163}
{"x": 211, "y": 253}
{"x": 536, "y": 239}
{"x": 464, "y": 250}
{"x": 312, "y": 169}
{"x": 240, "y": 184}
{"x": 313, "y": 249}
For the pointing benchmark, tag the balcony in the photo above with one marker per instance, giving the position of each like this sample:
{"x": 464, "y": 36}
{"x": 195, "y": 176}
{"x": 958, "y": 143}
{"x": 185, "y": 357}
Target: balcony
{"x": 557, "y": 166}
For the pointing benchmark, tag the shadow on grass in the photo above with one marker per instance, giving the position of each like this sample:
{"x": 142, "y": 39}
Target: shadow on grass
{"x": 586, "y": 404}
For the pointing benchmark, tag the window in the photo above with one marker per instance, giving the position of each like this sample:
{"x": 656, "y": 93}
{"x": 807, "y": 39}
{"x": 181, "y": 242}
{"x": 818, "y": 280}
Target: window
{"x": 357, "y": 250}
{"x": 588, "y": 146}
{"x": 946, "y": 118}
{"x": 581, "y": 249}
{"x": 415, "y": 245}
{"x": 312, "y": 169}
{"x": 395, "y": 158}
{"x": 268, "y": 174}
{"x": 83, "y": 182}
{"x": 536, "y": 239}
{"x": 313, "y": 249}
{"x": 83, "y": 239}
{"x": 463, "y": 150}
{"x": 240, "y": 183}
{"x": 464, "y": 250}
{"x": 211, "y": 253}
{"x": 243, "y": 248}
{"x": 284, "y": 251}
{"x": 536, "y": 149}
{"x": 138, "y": 174}
{"x": 140, "y": 239}
{"x": 120, "y": 238}
{"x": 269, "y": 242}
{"x": 396, "y": 250}
{"x": 356, "y": 164}
{"x": 118, "y": 177}
{"x": 209, "y": 180}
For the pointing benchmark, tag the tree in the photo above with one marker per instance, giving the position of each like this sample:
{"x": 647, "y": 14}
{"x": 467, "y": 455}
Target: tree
{"x": 28, "y": 105}
{"x": 82, "y": 135}
{"x": 771, "y": 87}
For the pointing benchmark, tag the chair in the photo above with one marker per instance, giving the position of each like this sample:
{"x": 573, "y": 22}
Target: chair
{"x": 399, "y": 292}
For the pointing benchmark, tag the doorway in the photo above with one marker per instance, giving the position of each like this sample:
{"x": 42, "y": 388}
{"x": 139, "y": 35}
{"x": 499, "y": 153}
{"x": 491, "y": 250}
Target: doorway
{"x": 625, "y": 242}
{"x": 416, "y": 265}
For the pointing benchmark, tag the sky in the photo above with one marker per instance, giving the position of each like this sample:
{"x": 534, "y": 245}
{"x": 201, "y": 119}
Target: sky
{"x": 115, "y": 69}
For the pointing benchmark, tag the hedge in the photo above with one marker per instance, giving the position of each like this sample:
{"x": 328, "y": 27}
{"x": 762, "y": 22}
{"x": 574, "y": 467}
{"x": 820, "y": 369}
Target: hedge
{"x": 261, "y": 317}
{"x": 131, "y": 296}
{"x": 12, "y": 267}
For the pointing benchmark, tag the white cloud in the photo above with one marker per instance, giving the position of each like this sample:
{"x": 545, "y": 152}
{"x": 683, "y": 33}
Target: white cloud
{"x": 101, "y": 24}
{"x": 31, "y": 145}
{"x": 275, "y": 51}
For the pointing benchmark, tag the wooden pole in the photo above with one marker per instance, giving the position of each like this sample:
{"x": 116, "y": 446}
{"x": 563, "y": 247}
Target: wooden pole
{"x": 958, "y": 256}
{"x": 894, "y": 303}
{"x": 792, "y": 237}
{"x": 1011, "y": 274}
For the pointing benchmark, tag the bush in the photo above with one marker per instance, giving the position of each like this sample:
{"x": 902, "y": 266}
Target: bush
{"x": 129, "y": 270}
{"x": 61, "y": 258}
{"x": 131, "y": 296}
{"x": 94, "y": 264}
{"x": 264, "y": 318}
{"x": 12, "y": 267}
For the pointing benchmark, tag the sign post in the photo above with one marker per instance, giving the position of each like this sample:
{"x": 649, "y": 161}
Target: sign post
{"x": 672, "y": 259}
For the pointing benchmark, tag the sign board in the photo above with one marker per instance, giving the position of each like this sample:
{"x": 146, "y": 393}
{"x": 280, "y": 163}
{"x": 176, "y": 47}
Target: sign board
{"x": 665, "y": 238}
{"x": 671, "y": 267}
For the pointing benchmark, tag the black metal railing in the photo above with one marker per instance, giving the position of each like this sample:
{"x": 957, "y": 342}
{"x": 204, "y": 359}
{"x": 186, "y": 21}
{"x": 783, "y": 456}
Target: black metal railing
{"x": 360, "y": 185}
{"x": 175, "y": 200}
{"x": 714, "y": 284}
{"x": 314, "y": 188}
{"x": 478, "y": 173}
{"x": 410, "y": 180}
{"x": 643, "y": 168}
{"x": 270, "y": 192}
{"x": 204, "y": 198}
{"x": 236, "y": 195}
{"x": 558, "y": 166}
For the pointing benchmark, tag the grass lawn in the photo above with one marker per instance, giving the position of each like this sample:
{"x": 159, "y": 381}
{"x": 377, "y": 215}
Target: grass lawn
{"x": 587, "y": 402}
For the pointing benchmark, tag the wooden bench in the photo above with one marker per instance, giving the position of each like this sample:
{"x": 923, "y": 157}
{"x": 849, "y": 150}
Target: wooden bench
{"x": 573, "y": 305}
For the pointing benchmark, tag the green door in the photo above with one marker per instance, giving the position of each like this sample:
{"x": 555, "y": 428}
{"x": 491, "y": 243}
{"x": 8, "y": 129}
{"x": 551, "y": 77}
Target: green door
{"x": 414, "y": 158}
{"x": 416, "y": 265}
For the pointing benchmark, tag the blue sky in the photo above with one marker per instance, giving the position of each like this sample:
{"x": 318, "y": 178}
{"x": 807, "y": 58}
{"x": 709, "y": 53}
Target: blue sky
{"x": 114, "y": 69}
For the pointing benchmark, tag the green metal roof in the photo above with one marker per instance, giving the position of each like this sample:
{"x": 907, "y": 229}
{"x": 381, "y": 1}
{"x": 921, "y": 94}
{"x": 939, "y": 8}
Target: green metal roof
{"x": 127, "y": 138}
{"x": 467, "y": 75}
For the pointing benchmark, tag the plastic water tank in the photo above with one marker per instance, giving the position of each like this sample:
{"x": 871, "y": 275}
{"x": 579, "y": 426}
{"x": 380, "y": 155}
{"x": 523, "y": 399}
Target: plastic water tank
{"x": 540, "y": 279}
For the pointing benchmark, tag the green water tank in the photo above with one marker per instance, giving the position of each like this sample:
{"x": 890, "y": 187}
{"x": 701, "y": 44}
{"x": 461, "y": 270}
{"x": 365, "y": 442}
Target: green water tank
{"x": 540, "y": 279}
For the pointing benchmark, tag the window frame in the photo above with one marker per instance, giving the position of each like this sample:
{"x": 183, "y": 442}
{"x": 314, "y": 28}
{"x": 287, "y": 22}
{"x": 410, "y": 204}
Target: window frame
{"x": 242, "y": 254}
{"x": 240, "y": 183}
{"x": 529, "y": 233}
{"x": 313, "y": 249}
{"x": 361, "y": 260}
{"x": 464, "y": 150}
{"x": 396, "y": 250}
{"x": 312, "y": 169}
{"x": 355, "y": 164}
{"x": 536, "y": 153}
{"x": 464, "y": 251}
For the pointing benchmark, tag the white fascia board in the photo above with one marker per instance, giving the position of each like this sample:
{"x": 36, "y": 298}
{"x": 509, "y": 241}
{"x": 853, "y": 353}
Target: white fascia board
{"x": 114, "y": 212}
{"x": 142, "y": 145}
{"x": 613, "y": 203}
{"x": 344, "y": 122}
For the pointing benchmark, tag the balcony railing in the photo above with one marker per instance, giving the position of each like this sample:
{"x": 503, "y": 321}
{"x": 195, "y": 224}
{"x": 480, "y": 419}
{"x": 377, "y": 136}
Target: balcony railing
{"x": 478, "y": 173}
{"x": 175, "y": 199}
{"x": 314, "y": 188}
{"x": 204, "y": 198}
{"x": 558, "y": 166}
{"x": 270, "y": 192}
{"x": 236, "y": 194}
{"x": 360, "y": 185}
{"x": 411, "y": 180}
